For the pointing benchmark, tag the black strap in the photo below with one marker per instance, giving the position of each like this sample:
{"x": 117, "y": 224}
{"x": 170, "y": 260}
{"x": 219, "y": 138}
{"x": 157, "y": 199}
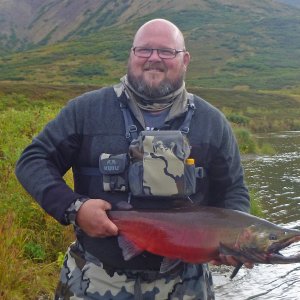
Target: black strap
{"x": 131, "y": 129}
{"x": 185, "y": 126}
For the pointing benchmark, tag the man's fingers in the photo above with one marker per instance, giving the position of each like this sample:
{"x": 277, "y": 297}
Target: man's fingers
{"x": 230, "y": 261}
{"x": 249, "y": 265}
{"x": 216, "y": 262}
{"x": 92, "y": 218}
{"x": 110, "y": 227}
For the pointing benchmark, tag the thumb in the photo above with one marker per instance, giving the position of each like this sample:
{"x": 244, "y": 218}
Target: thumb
{"x": 104, "y": 204}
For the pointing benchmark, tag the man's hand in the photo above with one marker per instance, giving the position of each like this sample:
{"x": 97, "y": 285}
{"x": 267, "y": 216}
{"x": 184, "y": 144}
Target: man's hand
{"x": 93, "y": 220}
{"x": 230, "y": 261}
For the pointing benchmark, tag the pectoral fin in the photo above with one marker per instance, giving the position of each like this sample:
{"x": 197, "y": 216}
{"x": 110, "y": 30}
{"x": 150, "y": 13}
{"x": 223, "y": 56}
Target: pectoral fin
{"x": 236, "y": 270}
{"x": 129, "y": 249}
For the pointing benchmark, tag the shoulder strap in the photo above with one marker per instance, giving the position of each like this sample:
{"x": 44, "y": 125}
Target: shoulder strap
{"x": 185, "y": 126}
{"x": 131, "y": 129}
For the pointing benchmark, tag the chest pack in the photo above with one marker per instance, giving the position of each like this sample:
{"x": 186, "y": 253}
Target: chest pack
{"x": 160, "y": 166}
{"x": 157, "y": 163}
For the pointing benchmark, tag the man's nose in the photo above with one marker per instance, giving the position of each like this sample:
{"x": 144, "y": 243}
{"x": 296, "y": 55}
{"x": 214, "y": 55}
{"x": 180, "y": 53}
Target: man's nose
{"x": 154, "y": 55}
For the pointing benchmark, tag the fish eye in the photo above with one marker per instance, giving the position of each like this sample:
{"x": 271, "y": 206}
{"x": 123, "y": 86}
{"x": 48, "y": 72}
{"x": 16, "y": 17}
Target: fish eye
{"x": 272, "y": 237}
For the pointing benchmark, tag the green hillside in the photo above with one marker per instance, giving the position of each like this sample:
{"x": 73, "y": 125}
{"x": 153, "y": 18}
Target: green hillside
{"x": 245, "y": 60}
{"x": 230, "y": 47}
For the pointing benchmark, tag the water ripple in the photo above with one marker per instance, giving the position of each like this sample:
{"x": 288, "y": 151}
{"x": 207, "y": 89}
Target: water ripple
{"x": 275, "y": 180}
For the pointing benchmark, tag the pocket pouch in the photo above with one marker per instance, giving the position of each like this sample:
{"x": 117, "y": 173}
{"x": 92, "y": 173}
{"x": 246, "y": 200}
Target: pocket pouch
{"x": 114, "y": 170}
{"x": 158, "y": 167}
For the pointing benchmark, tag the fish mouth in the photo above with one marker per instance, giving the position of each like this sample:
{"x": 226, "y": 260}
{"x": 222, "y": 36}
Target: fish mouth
{"x": 274, "y": 255}
{"x": 270, "y": 256}
{"x": 277, "y": 246}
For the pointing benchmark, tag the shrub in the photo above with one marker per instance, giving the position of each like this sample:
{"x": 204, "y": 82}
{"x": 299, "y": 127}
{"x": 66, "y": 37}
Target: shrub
{"x": 256, "y": 207}
{"x": 238, "y": 119}
{"x": 245, "y": 140}
{"x": 90, "y": 70}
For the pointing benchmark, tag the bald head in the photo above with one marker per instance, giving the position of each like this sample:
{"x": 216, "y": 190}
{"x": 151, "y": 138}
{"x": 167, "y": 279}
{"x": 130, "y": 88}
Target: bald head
{"x": 161, "y": 27}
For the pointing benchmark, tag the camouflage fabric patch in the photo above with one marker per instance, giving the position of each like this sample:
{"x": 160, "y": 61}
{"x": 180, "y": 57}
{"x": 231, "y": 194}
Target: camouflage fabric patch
{"x": 158, "y": 165}
{"x": 83, "y": 277}
{"x": 70, "y": 214}
{"x": 161, "y": 167}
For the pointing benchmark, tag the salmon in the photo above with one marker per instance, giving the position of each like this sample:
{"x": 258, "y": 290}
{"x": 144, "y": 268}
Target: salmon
{"x": 198, "y": 235}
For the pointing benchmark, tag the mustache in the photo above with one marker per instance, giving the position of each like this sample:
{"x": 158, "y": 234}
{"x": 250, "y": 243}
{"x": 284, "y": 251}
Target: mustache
{"x": 155, "y": 66}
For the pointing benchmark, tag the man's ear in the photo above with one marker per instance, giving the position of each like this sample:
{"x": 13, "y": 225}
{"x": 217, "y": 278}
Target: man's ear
{"x": 186, "y": 58}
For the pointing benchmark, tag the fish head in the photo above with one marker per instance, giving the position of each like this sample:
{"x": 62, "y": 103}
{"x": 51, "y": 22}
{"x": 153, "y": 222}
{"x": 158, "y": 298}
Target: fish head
{"x": 262, "y": 243}
{"x": 282, "y": 239}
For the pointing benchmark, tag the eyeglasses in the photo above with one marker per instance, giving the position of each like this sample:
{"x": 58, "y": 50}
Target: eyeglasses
{"x": 165, "y": 53}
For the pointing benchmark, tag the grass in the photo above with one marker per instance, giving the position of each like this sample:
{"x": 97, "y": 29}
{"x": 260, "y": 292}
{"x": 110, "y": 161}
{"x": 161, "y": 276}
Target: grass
{"x": 31, "y": 241}
{"x": 258, "y": 111}
{"x": 22, "y": 278}
{"x": 256, "y": 207}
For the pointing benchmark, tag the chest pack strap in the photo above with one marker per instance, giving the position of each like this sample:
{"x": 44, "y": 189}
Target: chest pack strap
{"x": 185, "y": 126}
{"x": 131, "y": 131}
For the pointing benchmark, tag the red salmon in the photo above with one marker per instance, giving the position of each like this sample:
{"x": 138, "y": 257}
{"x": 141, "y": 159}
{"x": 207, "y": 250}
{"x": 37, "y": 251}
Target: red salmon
{"x": 199, "y": 234}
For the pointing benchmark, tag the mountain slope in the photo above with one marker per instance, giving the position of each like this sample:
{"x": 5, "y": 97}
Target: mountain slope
{"x": 295, "y": 3}
{"x": 24, "y": 22}
{"x": 241, "y": 45}
{"x": 27, "y": 22}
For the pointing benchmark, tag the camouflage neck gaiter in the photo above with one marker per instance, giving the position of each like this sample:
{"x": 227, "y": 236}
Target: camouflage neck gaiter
{"x": 152, "y": 104}
{"x": 176, "y": 100}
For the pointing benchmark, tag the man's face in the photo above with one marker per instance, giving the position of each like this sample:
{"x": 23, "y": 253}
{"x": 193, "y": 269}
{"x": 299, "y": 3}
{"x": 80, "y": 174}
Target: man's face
{"x": 156, "y": 77}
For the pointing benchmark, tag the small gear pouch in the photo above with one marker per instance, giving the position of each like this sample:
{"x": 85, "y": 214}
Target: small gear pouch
{"x": 114, "y": 168}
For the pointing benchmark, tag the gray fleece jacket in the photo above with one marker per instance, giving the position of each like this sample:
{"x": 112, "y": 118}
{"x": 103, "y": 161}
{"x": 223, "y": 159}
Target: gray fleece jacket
{"x": 92, "y": 124}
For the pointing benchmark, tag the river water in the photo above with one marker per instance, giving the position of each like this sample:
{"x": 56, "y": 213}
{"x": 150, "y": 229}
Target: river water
{"x": 276, "y": 180}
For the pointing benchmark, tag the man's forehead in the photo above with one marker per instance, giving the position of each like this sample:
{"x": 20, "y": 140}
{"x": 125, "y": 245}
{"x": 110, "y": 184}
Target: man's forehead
{"x": 157, "y": 32}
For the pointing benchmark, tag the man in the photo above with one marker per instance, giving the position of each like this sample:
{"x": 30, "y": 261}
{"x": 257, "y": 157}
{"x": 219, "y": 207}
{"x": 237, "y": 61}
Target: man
{"x": 100, "y": 125}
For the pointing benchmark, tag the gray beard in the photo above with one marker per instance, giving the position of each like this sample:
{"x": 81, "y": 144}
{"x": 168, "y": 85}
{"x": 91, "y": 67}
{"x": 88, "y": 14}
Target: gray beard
{"x": 163, "y": 89}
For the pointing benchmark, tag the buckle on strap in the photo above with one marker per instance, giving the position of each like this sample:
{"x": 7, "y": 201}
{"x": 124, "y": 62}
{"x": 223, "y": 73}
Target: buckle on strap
{"x": 131, "y": 129}
{"x": 185, "y": 130}
{"x": 192, "y": 105}
{"x": 200, "y": 172}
